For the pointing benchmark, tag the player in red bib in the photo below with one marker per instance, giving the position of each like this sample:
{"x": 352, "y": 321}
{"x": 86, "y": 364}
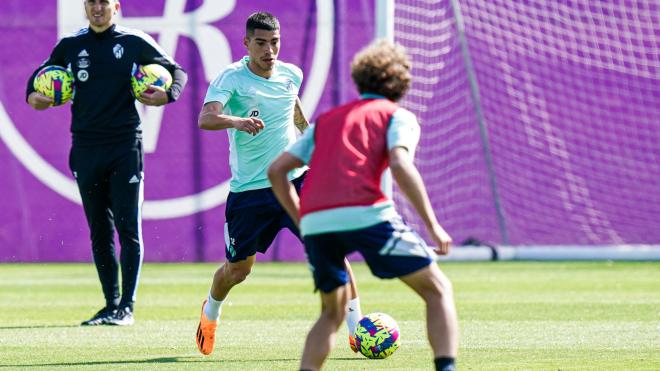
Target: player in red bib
{"x": 341, "y": 208}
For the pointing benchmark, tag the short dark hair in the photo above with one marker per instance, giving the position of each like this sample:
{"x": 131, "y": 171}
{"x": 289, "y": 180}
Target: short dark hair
{"x": 262, "y": 21}
{"x": 382, "y": 68}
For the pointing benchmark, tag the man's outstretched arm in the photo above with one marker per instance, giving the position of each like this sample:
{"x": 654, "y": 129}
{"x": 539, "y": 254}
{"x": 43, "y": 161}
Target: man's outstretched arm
{"x": 411, "y": 184}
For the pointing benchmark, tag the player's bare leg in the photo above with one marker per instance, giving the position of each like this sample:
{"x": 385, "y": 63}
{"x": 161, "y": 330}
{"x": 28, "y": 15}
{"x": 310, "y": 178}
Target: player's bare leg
{"x": 321, "y": 337}
{"x": 441, "y": 320}
{"x": 353, "y": 291}
{"x": 227, "y": 276}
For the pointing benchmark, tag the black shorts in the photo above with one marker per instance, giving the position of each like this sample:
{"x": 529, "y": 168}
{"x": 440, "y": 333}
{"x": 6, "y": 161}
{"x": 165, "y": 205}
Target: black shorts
{"x": 253, "y": 219}
{"x": 391, "y": 249}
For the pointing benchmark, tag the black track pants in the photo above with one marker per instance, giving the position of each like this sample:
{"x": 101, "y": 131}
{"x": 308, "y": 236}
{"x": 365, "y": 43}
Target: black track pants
{"x": 110, "y": 180}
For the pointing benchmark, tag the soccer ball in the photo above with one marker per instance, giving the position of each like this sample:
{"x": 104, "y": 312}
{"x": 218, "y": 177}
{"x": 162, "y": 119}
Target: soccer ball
{"x": 377, "y": 335}
{"x": 55, "y": 82}
{"x": 151, "y": 74}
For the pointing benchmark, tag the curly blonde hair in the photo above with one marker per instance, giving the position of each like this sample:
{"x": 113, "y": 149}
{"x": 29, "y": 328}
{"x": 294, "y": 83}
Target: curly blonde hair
{"x": 382, "y": 68}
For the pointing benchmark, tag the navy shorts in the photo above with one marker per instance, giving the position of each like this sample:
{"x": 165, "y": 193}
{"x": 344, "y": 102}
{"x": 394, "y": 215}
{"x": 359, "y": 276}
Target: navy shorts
{"x": 253, "y": 219}
{"x": 391, "y": 249}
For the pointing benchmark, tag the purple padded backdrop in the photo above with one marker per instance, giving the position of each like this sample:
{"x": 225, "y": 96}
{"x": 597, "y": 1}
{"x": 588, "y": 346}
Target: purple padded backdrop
{"x": 569, "y": 96}
{"x": 186, "y": 168}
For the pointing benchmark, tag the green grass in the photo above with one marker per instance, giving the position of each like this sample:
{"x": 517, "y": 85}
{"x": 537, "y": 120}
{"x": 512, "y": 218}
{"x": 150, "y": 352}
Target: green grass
{"x": 513, "y": 316}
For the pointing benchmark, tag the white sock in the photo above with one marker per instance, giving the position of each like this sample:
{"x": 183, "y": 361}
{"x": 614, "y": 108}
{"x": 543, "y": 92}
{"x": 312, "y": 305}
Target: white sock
{"x": 213, "y": 308}
{"x": 354, "y": 315}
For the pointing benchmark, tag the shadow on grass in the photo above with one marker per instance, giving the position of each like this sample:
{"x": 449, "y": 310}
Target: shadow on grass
{"x": 361, "y": 359}
{"x": 123, "y": 362}
{"x": 190, "y": 359}
{"x": 36, "y": 326}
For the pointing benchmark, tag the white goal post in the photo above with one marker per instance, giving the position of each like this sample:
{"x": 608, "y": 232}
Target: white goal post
{"x": 386, "y": 27}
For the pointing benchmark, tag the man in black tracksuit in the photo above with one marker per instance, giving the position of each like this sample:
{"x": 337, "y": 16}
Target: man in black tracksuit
{"x": 106, "y": 157}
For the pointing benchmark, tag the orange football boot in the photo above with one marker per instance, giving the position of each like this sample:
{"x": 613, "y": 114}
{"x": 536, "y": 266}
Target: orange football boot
{"x": 206, "y": 333}
{"x": 351, "y": 343}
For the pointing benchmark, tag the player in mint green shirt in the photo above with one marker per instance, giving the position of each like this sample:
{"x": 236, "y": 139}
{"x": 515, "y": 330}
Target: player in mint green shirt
{"x": 264, "y": 106}
{"x": 256, "y": 101}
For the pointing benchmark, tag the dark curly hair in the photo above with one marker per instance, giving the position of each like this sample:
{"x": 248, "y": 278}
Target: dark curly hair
{"x": 382, "y": 68}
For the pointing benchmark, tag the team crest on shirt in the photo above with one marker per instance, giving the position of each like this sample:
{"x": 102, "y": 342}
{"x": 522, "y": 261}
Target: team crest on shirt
{"x": 289, "y": 85}
{"x": 83, "y": 62}
{"x": 118, "y": 50}
{"x": 83, "y": 59}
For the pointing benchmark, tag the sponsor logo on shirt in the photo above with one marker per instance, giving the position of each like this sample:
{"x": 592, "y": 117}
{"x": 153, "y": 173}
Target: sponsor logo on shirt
{"x": 83, "y": 75}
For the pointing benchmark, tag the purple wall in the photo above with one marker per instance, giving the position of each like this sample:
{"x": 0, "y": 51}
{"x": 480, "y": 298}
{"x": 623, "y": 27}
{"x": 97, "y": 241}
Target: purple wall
{"x": 569, "y": 95}
{"x": 40, "y": 219}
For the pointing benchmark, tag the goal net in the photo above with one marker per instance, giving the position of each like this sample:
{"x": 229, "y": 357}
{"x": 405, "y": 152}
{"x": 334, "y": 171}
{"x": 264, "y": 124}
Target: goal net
{"x": 540, "y": 119}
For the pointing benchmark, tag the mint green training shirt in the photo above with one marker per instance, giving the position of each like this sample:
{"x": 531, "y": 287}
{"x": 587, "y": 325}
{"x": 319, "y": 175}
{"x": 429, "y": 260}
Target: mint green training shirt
{"x": 245, "y": 94}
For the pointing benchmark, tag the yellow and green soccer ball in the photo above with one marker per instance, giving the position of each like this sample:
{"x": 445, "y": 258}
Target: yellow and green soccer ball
{"x": 377, "y": 336}
{"x": 150, "y": 74}
{"x": 55, "y": 82}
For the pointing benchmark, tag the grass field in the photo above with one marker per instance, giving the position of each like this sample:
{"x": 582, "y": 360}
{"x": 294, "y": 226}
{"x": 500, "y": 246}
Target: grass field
{"x": 513, "y": 316}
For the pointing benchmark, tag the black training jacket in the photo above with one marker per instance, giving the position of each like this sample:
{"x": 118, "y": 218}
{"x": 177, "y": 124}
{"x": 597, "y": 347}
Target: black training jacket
{"x": 103, "y": 109}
